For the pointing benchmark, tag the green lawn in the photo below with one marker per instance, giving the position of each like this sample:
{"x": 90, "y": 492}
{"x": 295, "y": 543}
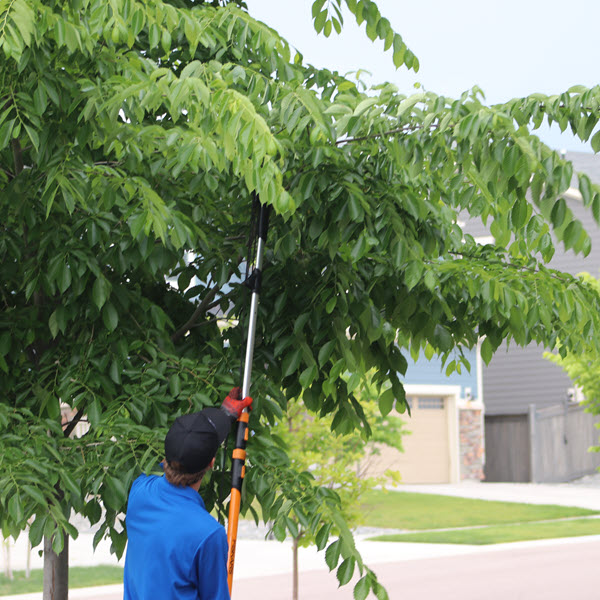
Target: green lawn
{"x": 490, "y": 523}
{"x": 412, "y": 511}
{"x": 78, "y": 577}
{"x": 501, "y": 534}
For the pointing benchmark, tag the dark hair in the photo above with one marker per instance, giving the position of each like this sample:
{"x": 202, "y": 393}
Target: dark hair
{"x": 176, "y": 475}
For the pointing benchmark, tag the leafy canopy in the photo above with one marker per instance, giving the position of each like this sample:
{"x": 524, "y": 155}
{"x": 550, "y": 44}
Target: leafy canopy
{"x": 132, "y": 134}
{"x": 583, "y": 368}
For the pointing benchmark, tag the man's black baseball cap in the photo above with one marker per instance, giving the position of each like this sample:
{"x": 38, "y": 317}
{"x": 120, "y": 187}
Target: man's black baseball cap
{"x": 194, "y": 439}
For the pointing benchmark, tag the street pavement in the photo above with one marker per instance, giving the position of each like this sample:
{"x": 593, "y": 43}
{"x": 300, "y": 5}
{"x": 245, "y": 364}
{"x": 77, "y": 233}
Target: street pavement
{"x": 534, "y": 570}
{"x": 519, "y": 572}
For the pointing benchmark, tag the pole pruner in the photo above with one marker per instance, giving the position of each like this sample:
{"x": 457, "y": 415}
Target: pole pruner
{"x": 241, "y": 437}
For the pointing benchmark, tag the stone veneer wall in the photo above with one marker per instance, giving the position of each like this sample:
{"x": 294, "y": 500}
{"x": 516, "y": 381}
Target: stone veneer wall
{"x": 472, "y": 448}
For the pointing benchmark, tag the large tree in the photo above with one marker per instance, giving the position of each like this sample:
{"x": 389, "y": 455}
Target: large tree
{"x": 132, "y": 136}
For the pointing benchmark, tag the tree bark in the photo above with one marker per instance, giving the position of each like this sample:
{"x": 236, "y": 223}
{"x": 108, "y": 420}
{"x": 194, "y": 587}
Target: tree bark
{"x": 56, "y": 571}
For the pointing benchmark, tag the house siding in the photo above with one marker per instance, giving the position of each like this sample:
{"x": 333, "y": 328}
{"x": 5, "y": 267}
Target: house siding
{"x": 517, "y": 377}
{"x": 432, "y": 372}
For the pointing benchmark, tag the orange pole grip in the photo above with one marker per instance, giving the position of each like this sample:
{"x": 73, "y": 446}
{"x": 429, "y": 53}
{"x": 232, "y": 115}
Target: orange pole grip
{"x": 238, "y": 472}
{"x": 232, "y": 527}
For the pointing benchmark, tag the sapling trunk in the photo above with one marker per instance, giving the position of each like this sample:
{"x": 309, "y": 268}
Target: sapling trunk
{"x": 295, "y": 567}
{"x": 56, "y": 571}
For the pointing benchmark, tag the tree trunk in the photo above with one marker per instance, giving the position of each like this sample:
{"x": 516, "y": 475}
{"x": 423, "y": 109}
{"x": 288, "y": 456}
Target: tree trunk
{"x": 28, "y": 565}
{"x": 7, "y": 566}
{"x": 56, "y": 571}
{"x": 295, "y": 569}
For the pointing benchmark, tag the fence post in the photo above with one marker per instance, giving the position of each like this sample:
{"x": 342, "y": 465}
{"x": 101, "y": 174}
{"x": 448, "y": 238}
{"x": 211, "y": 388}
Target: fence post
{"x": 533, "y": 445}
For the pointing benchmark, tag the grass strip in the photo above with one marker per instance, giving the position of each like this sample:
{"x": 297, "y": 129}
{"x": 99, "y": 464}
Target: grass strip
{"x": 78, "y": 577}
{"x": 500, "y": 534}
{"x": 414, "y": 511}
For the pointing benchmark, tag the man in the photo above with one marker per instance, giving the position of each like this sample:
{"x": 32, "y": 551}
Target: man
{"x": 176, "y": 550}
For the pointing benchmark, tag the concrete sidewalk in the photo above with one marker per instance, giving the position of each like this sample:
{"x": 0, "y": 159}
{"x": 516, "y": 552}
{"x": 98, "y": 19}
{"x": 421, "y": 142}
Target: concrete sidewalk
{"x": 257, "y": 558}
{"x": 585, "y": 493}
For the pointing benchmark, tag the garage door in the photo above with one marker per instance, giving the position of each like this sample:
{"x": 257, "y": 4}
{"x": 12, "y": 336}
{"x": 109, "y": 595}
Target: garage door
{"x": 426, "y": 456}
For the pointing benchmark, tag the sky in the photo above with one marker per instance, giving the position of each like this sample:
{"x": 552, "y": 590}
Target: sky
{"x": 509, "y": 48}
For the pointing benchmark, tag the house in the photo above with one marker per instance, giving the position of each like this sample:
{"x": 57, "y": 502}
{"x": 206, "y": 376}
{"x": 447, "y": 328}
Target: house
{"x": 445, "y": 429}
{"x": 516, "y": 419}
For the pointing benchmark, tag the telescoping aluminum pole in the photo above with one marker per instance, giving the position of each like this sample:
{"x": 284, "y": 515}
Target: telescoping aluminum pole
{"x": 239, "y": 453}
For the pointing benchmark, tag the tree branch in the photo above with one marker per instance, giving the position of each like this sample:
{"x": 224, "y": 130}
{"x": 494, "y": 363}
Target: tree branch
{"x": 73, "y": 422}
{"x": 108, "y": 163}
{"x": 491, "y": 261}
{"x": 372, "y": 136}
{"x": 217, "y": 302}
{"x": 17, "y": 156}
{"x": 8, "y": 173}
{"x": 200, "y": 310}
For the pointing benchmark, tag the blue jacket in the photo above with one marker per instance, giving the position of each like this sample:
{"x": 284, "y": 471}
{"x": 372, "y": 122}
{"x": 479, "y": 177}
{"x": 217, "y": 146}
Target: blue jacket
{"x": 176, "y": 550}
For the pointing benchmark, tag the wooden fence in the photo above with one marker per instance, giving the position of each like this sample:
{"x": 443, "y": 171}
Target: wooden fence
{"x": 544, "y": 445}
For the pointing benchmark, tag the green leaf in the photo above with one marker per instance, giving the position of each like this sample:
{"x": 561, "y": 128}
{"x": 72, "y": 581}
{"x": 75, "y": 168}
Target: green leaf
{"x": 300, "y": 322}
{"x": 53, "y": 324}
{"x": 36, "y": 530}
{"x": 572, "y": 232}
{"x": 399, "y": 51}
{"x": 40, "y": 98}
{"x": 114, "y": 371}
{"x": 329, "y": 307}
{"x": 6, "y": 133}
{"x": 596, "y": 207}
{"x": 386, "y": 402}
{"x": 291, "y": 362}
{"x": 110, "y": 317}
{"x": 154, "y": 36}
{"x": 308, "y": 376}
{"x": 381, "y": 593}
{"x": 279, "y": 531}
{"x": 33, "y": 136}
{"x": 322, "y": 536}
{"x": 346, "y": 570}
{"x": 58, "y": 541}
{"x": 585, "y": 187}
{"x": 320, "y": 20}
{"x": 487, "y": 351}
{"x": 413, "y": 273}
{"x": 409, "y": 103}
{"x": 362, "y": 588}
{"x": 174, "y": 385}
{"x": 509, "y": 160}
{"x": 63, "y": 276}
{"x": 100, "y": 291}
{"x": 94, "y": 412}
{"x": 5, "y": 343}
{"x": 325, "y": 352}
{"x": 332, "y": 554}
{"x": 15, "y": 508}
{"x": 317, "y": 7}
{"x": 595, "y": 142}
{"x": 559, "y": 211}
{"x": 69, "y": 484}
{"x": 519, "y": 213}
{"x": 443, "y": 338}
